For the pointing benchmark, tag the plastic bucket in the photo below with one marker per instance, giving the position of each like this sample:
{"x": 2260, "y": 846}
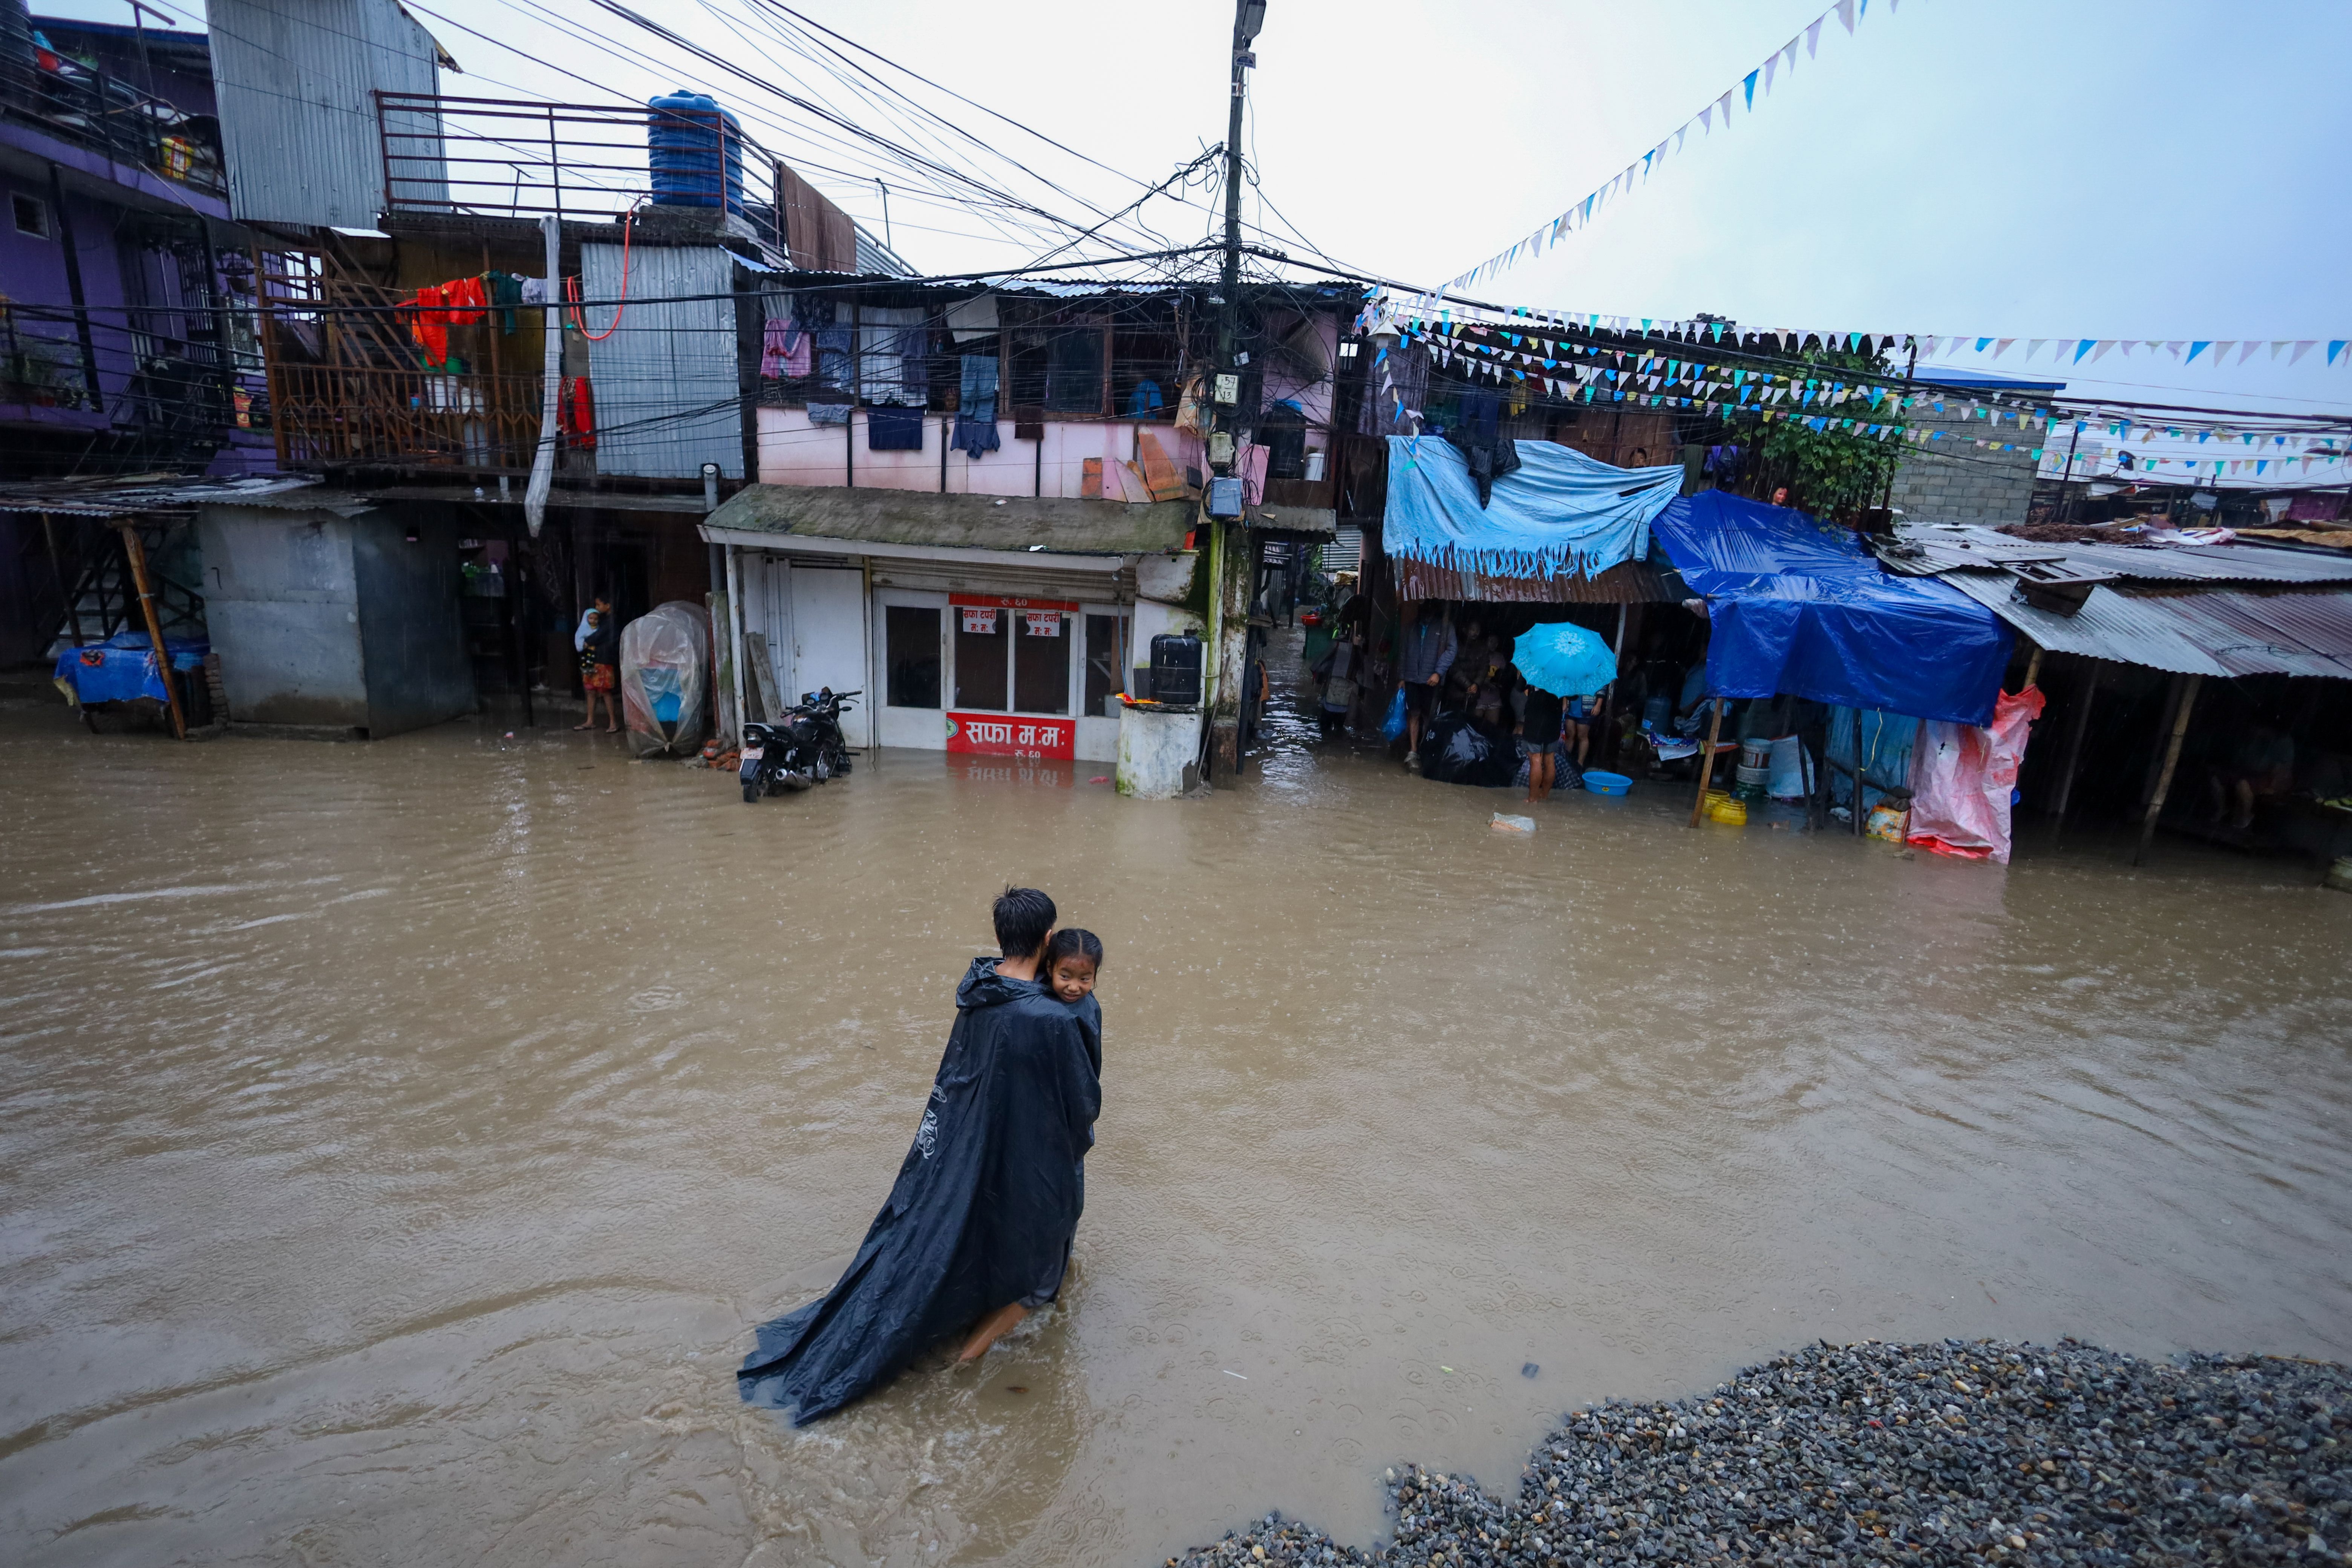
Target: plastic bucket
{"x": 1730, "y": 812}
{"x": 1599, "y": 783}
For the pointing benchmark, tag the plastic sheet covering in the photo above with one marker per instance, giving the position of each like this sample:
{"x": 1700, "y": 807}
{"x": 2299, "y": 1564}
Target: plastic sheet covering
{"x": 666, "y": 679}
{"x": 1885, "y": 752}
{"x": 124, "y": 667}
{"x": 1799, "y": 608}
{"x": 983, "y": 1213}
{"x": 1453, "y": 749}
{"x": 1962, "y": 778}
{"x": 1559, "y": 513}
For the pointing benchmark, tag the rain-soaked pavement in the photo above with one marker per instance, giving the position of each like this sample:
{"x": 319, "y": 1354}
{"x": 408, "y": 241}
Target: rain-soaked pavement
{"x": 399, "y": 1139}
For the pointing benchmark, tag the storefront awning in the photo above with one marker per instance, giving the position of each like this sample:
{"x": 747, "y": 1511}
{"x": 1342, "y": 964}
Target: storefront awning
{"x": 895, "y": 522}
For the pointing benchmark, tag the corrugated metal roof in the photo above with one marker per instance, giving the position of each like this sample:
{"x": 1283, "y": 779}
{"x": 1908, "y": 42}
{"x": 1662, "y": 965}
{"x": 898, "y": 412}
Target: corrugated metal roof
{"x": 667, "y": 396}
{"x": 293, "y": 80}
{"x": 1959, "y": 546}
{"x": 1627, "y": 582}
{"x": 80, "y": 498}
{"x": 2217, "y": 633}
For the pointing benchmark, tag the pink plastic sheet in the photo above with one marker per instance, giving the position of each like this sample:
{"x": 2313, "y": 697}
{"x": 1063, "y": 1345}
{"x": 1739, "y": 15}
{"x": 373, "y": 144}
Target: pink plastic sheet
{"x": 1962, "y": 778}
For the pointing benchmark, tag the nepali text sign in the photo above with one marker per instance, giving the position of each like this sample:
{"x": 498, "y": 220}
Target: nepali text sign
{"x": 1001, "y": 735}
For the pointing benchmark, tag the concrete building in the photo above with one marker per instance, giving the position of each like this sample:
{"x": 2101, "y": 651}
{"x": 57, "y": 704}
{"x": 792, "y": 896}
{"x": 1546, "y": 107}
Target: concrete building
{"x": 1981, "y": 468}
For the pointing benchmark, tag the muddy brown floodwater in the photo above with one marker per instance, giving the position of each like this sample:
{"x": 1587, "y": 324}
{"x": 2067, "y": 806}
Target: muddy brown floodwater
{"x": 400, "y": 1140}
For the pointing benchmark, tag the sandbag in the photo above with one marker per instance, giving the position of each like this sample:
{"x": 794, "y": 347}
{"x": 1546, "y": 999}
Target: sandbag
{"x": 666, "y": 679}
{"x": 1962, "y": 778}
{"x": 1455, "y": 749}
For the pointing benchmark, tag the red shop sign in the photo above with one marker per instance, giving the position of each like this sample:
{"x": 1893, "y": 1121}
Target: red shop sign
{"x": 1005, "y": 735}
{"x": 1004, "y": 603}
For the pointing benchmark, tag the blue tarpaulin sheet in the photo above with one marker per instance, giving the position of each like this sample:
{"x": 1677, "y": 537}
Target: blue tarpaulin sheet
{"x": 1799, "y": 608}
{"x": 1561, "y": 512}
{"x": 124, "y": 667}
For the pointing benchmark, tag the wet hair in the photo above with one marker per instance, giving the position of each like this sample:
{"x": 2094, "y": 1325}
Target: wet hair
{"x": 1023, "y": 916}
{"x": 1072, "y": 943}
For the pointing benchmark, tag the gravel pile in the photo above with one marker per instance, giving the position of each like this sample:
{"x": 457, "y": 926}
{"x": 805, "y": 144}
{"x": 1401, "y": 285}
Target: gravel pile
{"x": 1983, "y": 1453}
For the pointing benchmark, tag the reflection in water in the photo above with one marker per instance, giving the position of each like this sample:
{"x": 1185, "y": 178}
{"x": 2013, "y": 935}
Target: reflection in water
{"x": 400, "y": 1140}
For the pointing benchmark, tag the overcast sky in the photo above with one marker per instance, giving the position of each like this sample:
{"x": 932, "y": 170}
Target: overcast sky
{"x": 2095, "y": 168}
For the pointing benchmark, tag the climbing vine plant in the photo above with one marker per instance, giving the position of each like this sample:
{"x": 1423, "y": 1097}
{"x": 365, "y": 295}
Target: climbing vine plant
{"x": 1835, "y": 472}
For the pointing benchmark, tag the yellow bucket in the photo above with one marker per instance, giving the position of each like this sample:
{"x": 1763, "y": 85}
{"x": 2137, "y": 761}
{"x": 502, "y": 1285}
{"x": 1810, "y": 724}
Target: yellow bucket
{"x": 1730, "y": 812}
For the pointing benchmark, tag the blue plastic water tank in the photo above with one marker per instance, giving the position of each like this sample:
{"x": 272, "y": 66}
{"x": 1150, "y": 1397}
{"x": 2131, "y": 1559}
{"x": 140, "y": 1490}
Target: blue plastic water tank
{"x": 687, "y": 149}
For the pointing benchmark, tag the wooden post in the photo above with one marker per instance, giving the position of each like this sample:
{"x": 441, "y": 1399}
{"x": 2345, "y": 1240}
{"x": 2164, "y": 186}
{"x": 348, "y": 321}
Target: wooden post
{"x": 2148, "y": 776}
{"x": 2033, "y": 669}
{"x": 2171, "y": 760}
{"x": 137, "y": 555}
{"x": 2075, "y": 740}
{"x": 57, "y": 571}
{"x": 1707, "y": 762}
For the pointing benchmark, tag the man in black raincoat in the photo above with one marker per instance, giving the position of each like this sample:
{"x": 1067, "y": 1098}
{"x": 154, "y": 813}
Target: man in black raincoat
{"x": 978, "y": 1228}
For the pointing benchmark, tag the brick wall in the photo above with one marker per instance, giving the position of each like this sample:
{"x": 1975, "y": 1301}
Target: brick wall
{"x": 1954, "y": 480}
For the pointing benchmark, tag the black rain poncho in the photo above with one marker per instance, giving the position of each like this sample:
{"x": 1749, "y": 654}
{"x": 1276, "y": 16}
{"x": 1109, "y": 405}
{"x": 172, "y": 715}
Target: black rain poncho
{"x": 983, "y": 1211}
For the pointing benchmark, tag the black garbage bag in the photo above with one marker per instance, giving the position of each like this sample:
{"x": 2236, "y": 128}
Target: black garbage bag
{"x": 1455, "y": 749}
{"x": 982, "y": 1213}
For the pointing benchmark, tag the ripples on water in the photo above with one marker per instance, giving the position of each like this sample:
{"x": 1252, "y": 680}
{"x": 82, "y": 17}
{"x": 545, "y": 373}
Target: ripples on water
{"x": 399, "y": 1139}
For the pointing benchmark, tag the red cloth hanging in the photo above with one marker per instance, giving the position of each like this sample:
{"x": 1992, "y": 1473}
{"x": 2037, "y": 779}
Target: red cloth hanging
{"x": 429, "y": 325}
{"x": 575, "y": 413}
{"x": 468, "y": 301}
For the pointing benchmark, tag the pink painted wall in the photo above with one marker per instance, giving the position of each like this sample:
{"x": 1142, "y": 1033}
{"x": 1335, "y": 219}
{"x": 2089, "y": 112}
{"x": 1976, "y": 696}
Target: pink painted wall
{"x": 794, "y": 452}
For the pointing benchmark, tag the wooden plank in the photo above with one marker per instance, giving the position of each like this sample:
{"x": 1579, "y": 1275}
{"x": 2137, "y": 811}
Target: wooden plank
{"x": 1707, "y": 762}
{"x": 2171, "y": 760}
{"x": 763, "y": 676}
{"x": 1160, "y": 476}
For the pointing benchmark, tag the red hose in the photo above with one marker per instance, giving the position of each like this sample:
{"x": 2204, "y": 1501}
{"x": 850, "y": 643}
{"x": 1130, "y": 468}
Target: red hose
{"x": 571, "y": 288}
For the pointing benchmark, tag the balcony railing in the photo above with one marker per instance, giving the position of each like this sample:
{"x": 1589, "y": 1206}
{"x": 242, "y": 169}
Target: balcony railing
{"x": 346, "y": 387}
{"x": 66, "y": 99}
{"x": 485, "y": 157}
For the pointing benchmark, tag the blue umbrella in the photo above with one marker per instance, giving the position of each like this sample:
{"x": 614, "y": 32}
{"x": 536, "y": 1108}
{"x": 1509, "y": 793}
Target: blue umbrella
{"x": 1564, "y": 659}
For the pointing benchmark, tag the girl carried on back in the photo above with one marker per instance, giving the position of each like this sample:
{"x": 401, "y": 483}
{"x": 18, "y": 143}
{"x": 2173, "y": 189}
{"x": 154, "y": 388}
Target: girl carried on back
{"x": 1072, "y": 960}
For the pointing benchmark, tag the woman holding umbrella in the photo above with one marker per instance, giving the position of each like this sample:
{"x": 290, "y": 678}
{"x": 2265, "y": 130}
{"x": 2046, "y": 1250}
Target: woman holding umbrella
{"x": 1556, "y": 660}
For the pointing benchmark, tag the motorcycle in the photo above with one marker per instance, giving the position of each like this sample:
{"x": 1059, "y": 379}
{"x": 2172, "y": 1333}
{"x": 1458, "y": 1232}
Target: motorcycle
{"x": 802, "y": 747}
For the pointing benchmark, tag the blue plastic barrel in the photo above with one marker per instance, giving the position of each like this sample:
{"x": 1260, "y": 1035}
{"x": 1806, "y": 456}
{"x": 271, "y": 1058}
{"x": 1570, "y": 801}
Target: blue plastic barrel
{"x": 687, "y": 149}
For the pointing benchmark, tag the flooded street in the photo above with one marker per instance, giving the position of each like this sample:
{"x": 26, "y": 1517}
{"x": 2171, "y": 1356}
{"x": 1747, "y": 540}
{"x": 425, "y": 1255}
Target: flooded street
{"x": 400, "y": 1140}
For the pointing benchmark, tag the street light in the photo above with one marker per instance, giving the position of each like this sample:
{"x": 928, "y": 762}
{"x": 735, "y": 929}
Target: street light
{"x": 1251, "y": 17}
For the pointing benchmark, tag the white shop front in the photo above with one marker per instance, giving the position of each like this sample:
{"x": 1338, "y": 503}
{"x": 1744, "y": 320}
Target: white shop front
{"x": 1017, "y": 652}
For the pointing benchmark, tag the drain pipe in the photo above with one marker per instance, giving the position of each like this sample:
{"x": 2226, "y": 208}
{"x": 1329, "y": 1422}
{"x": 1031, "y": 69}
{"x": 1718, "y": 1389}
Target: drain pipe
{"x": 542, "y": 463}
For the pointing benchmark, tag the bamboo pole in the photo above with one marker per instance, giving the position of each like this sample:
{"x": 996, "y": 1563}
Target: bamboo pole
{"x": 1707, "y": 762}
{"x": 137, "y": 555}
{"x": 2075, "y": 740}
{"x": 2171, "y": 760}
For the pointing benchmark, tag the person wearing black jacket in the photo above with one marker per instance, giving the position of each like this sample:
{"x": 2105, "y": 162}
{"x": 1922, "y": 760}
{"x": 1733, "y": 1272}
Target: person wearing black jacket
{"x": 977, "y": 1230}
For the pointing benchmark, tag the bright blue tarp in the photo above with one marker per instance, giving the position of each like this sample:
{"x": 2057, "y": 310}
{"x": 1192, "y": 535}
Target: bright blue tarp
{"x": 1801, "y": 608}
{"x": 124, "y": 667}
{"x": 1561, "y": 512}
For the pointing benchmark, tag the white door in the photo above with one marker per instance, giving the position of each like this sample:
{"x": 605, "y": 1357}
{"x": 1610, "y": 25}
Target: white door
{"x": 911, "y": 665}
{"x": 828, "y": 631}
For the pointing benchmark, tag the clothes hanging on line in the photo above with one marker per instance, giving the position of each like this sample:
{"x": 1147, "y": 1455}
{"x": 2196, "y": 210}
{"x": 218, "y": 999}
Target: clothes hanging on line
{"x": 891, "y": 363}
{"x": 784, "y": 349}
{"x": 830, "y": 413}
{"x": 976, "y": 425}
{"x": 894, "y": 429}
{"x": 575, "y": 414}
{"x": 506, "y": 293}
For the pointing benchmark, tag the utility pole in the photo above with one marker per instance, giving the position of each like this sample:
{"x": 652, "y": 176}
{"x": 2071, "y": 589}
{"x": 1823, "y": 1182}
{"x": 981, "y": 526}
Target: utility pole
{"x": 1224, "y": 656}
{"x": 1249, "y": 16}
{"x": 2065, "y": 507}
